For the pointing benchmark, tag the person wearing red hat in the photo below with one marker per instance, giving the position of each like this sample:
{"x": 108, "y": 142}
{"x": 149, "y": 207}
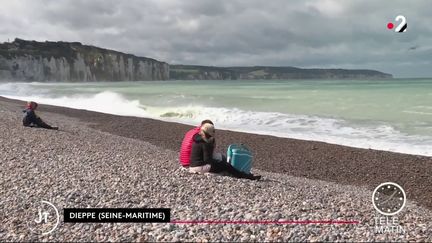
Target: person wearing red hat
{"x": 31, "y": 119}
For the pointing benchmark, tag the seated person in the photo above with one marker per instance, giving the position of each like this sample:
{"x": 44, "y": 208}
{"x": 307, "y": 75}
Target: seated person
{"x": 186, "y": 147}
{"x": 201, "y": 160}
{"x": 32, "y": 120}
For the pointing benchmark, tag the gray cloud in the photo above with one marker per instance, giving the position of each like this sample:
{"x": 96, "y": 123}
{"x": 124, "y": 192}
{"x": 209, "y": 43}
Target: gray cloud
{"x": 310, "y": 33}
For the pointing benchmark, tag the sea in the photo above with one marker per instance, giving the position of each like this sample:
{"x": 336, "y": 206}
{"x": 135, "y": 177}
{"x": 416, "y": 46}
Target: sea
{"x": 391, "y": 115}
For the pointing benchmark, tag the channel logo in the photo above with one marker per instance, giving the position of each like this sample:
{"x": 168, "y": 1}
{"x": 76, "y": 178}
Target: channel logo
{"x": 401, "y": 27}
{"x": 388, "y": 199}
{"x": 43, "y": 218}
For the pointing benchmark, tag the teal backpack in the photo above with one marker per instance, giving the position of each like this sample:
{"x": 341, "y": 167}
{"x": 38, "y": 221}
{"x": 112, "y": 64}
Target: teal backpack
{"x": 240, "y": 157}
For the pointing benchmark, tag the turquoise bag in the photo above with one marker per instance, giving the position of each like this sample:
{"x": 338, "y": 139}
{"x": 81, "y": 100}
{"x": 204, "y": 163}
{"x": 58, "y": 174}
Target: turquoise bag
{"x": 240, "y": 157}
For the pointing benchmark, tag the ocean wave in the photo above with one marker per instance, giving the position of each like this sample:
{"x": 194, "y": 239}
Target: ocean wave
{"x": 105, "y": 102}
{"x": 418, "y": 112}
{"x": 424, "y": 107}
{"x": 331, "y": 130}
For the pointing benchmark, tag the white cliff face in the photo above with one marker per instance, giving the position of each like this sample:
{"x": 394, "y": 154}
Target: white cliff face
{"x": 130, "y": 69}
{"x": 91, "y": 64}
{"x": 80, "y": 69}
{"x": 28, "y": 68}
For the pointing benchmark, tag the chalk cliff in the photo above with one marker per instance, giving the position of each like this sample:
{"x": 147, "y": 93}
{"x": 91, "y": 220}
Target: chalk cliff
{"x": 23, "y": 60}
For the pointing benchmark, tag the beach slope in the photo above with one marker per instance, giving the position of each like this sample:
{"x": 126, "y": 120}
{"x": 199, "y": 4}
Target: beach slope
{"x": 132, "y": 162}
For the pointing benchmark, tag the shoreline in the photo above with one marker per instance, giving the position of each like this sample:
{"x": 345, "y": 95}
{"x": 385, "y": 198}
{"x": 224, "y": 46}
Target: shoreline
{"x": 294, "y": 157}
{"x": 260, "y": 133}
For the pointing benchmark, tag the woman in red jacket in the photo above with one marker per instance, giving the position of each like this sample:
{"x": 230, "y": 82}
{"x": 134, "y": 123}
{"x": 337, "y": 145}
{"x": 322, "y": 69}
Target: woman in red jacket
{"x": 186, "y": 147}
{"x": 202, "y": 161}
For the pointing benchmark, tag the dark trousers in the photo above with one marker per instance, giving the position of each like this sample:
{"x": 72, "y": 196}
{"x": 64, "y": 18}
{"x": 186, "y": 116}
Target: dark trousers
{"x": 223, "y": 166}
{"x": 38, "y": 123}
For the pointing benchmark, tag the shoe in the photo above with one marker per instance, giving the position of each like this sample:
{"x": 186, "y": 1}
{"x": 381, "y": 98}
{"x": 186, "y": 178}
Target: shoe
{"x": 256, "y": 178}
{"x": 253, "y": 177}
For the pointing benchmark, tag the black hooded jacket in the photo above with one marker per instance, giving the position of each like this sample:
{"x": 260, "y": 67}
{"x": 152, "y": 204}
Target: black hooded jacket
{"x": 30, "y": 119}
{"x": 202, "y": 151}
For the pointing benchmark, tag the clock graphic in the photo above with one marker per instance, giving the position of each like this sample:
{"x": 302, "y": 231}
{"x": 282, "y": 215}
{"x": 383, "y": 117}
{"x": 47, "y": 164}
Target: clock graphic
{"x": 389, "y": 198}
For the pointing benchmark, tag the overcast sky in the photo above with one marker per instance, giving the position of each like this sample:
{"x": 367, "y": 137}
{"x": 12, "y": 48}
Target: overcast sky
{"x": 307, "y": 33}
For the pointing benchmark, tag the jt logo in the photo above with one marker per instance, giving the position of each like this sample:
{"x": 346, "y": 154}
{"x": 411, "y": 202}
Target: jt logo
{"x": 402, "y": 26}
{"x": 43, "y": 216}
{"x": 47, "y": 218}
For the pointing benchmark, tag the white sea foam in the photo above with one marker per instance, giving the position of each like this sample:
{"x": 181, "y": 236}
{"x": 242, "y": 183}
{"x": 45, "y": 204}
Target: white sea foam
{"x": 336, "y": 131}
{"x": 418, "y": 112}
{"x": 106, "y": 102}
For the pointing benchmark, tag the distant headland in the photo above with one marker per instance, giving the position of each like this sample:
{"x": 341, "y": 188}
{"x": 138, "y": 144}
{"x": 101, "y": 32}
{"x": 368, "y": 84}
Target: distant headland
{"x": 23, "y": 60}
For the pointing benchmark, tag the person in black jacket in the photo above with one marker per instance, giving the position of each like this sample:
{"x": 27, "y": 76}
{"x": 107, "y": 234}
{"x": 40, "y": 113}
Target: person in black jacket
{"x": 202, "y": 156}
{"x": 32, "y": 120}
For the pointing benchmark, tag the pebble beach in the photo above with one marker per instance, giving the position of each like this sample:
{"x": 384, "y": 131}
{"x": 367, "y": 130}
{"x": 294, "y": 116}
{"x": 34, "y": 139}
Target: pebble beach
{"x": 101, "y": 160}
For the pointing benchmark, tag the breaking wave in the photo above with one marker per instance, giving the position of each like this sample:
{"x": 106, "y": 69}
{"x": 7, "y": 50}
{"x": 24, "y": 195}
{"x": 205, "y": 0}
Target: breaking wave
{"x": 337, "y": 131}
